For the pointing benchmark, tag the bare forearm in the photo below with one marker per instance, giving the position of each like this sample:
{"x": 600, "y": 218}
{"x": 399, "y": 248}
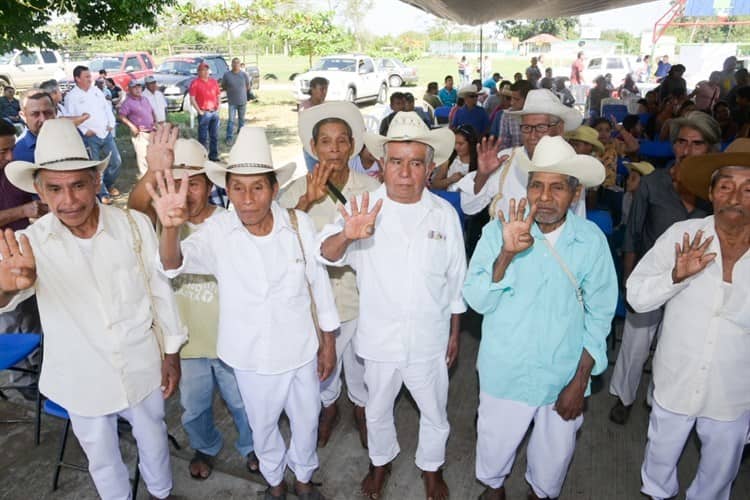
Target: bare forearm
{"x": 455, "y": 324}
{"x": 169, "y": 248}
{"x": 583, "y": 372}
{"x": 303, "y": 204}
{"x": 501, "y": 265}
{"x": 11, "y": 215}
{"x": 334, "y": 247}
{"x": 479, "y": 181}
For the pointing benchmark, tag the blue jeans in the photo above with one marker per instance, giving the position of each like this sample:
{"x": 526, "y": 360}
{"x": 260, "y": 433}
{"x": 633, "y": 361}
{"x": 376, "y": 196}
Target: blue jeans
{"x": 197, "y": 396}
{"x": 208, "y": 133}
{"x": 240, "y": 111}
{"x": 98, "y": 148}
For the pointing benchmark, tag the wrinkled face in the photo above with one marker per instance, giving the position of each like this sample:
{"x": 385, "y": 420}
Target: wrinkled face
{"x": 516, "y": 100}
{"x": 689, "y": 142}
{"x": 730, "y": 195}
{"x": 552, "y": 196}
{"x": 634, "y": 180}
{"x": 581, "y": 148}
{"x": 84, "y": 80}
{"x": 333, "y": 146}
{"x": 605, "y": 132}
{"x": 70, "y": 195}
{"x": 7, "y": 143}
{"x": 37, "y": 111}
{"x": 135, "y": 91}
{"x": 534, "y": 127}
{"x": 199, "y": 187}
{"x": 462, "y": 145}
{"x": 406, "y": 171}
{"x": 318, "y": 93}
{"x": 251, "y": 196}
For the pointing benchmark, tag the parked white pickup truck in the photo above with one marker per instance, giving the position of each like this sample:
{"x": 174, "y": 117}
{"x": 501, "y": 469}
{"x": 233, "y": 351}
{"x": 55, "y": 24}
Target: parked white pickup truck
{"x": 23, "y": 69}
{"x": 351, "y": 77}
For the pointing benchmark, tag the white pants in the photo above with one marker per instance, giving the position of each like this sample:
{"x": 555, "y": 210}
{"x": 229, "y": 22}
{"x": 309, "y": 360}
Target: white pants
{"x": 637, "y": 337}
{"x": 353, "y": 366}
{"x": 501, "y": 426}
{"x": 99, "y": 440}
{"x": 140, "y": 145}
{"x": 427, "y": 382}
{"x": 721, "y": 451}
{"x": 297, "y": 392}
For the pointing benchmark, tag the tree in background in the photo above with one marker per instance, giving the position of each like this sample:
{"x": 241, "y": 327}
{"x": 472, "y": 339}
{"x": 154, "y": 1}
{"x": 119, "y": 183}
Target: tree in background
{"x": 561, "y": 27}
{"x": 20, "y": 20}
{"x": 630, "y": 43}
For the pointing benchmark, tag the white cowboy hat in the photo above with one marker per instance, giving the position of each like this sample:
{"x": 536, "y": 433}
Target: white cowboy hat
{"x": 544, "y": 101}
{"x": 471, "y": 89}
{"x": 59, "y": 147}
{"x": 189, "y": 157}
{"x": 555, "y": 156}
{"x": 250, "y": 155}
{"x": 342, "y": 110}
{"x": 407, "y": 126}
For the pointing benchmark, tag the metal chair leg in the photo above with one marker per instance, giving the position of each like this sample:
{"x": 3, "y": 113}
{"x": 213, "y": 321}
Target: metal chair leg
{"x": 60, "y": 455}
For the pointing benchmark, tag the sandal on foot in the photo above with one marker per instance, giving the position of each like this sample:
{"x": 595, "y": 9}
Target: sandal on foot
{"x": 200, "y": 458}
{"x": 253, "y": 465}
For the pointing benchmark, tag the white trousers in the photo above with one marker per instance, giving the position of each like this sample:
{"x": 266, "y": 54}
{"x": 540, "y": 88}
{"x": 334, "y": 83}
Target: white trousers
{"x": 140, "y": 146}
{"x": 721, "y": 452}
{"x": 637, "y": 336}
{"x": 427, "y": 382}
{"x": 99, "y": 440}
{"x": 296, "y": 392}
{"x": 352, "y": 365}
{"x": 501, "y": 426}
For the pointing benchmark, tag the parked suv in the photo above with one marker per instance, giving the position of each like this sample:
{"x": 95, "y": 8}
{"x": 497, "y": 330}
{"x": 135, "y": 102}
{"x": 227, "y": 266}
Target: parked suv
{"x": 176, "y": 74}
{"x": 22, "y": 70}
{"x": 351, "y": 77}
{"x": 618, "y": 66}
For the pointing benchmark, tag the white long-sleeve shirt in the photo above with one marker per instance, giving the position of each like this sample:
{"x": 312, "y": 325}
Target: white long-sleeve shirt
{"x": 513, "y": 179}
{"x": 100, "y": 354}
{"x": 265, "y": 323}
{"x": 93, "y": 102}
{"x": 410, "y": 274}
{"x": 702, "y": 362}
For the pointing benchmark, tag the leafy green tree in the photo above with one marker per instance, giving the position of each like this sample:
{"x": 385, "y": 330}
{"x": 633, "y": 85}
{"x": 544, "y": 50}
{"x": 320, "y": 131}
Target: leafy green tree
{"x": 630, "y": 43}
{"x": 562, "y": 27}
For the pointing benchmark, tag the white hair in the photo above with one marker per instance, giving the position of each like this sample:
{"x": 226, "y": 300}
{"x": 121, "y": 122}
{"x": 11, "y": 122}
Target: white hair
{"x": 428, "y": 157}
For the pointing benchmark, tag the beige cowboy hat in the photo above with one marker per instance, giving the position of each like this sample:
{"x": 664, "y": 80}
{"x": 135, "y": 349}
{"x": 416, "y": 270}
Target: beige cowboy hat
{"x": 586, "y": 134}
{"x": 343, "y": 110}
{"x": 407, "y": 126}
{"x": 544, "y": 101}
{"x": 696, "y": 171}
{"x": 470, "y": 88}
{"x": 555, "y": 156}
{"x": 642, "y": 167}
{"x": 190, "y": 157}
{"x": 250, "y": 155}
{"x": 59, "y": 147}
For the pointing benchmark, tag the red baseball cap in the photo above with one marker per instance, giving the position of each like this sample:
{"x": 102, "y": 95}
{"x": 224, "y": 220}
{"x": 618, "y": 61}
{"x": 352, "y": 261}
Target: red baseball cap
{"x": 202, "y": 66}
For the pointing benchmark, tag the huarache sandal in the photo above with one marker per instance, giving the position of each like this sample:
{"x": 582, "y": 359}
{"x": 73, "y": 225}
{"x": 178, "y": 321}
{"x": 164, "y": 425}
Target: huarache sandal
{"x": 200, "y": 466}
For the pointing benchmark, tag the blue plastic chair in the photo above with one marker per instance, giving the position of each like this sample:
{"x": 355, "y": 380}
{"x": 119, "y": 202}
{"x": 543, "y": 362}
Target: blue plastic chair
{"x": 619, "y": 111}
{"x": 14, "y": 348}
{"x": 454, "y": 198}
{"x": 442, "y": 113}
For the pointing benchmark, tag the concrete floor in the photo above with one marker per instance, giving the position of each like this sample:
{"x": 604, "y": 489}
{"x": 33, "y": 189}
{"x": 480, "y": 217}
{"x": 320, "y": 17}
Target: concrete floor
{"x": 605, "y": 467}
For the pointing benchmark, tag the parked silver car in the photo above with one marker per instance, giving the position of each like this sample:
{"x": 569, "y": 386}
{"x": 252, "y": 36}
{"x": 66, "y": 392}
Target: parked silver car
{"x": 398, "y": 72}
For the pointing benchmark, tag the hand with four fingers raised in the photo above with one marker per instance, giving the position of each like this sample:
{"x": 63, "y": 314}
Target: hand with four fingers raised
{"x": 170, "y": 201}
{"x": 517, "y": 229}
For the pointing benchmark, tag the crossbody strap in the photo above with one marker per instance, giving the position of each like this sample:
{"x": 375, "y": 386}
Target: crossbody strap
{"x": 138, "y": 249}
{"x": 568, "y": 273}
{"x": 313, "y": 307}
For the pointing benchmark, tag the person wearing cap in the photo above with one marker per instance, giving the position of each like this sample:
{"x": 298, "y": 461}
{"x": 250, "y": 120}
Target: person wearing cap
{"x": 499, "y": 176}
{"x": 107, "y": 314}
{"x": 408, "y": 253}
{"x": 263, "y": 259}
{"x": 536, "y": 367}
{"x": 332, "y": 133}
{"x": 155, "y": 97}
{"x": 660, "y": 201}
{"x": 204, "y": 96}
{"x": 699, "y": 272}
{"x": 470, "y": 113}
{"x": 197, "y": 298}
{"x": 138, "y": 115}
{"x": 98, "y": 129}
{"x": 585, "y": 141}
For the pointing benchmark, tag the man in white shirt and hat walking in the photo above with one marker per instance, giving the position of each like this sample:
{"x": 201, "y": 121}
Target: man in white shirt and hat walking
{"x": 499, "y": 176}
{"x": 263, "y": 259}
{"x": 106, "y": 313}
{"x": 699, "y": 270}
{"x": 408, "y": 253}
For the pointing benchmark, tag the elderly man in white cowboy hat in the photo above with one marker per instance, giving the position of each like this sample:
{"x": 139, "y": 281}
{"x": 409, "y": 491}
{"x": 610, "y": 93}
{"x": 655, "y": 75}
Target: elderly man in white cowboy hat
{"x": 263, "y": 259}
{"x": 332, "y": 133}
{"x": 410, "y": 266}
{"x": 699, "y": 270}
{"x": 198, "y": 301}
{"x": 105, "y": 311}
{"x": 545, "y": 282}
{"x": 499, "y": 176}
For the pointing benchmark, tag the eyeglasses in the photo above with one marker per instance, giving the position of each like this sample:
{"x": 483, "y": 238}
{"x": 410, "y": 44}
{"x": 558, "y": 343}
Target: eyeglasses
{"x": 540, "y": 128}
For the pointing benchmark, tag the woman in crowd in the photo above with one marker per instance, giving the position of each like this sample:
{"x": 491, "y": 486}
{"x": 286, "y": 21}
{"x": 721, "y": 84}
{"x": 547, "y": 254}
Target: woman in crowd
{"x": 461, "y": 162}
{"x": 723, "y": 115}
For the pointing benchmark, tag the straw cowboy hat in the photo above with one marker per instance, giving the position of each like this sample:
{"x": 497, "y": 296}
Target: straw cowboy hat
{"x": 555, "y": 156}
{"x": 696, "y": 171}
{"x": 59, "y": 147}
{"x": 586, "y": 134}
{"x": 470, "y": 88}
{"x": 642, "y": 167}
{"x": 342, "y": 110}
{"x": 407, "y": 126}
{"x": 544, "y": 101}
{"x": 250, "y": 155}
{"x": 190, "y": 157}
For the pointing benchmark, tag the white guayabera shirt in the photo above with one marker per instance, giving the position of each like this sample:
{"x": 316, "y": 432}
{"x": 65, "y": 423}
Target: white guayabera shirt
{"x": 100, "y": 354}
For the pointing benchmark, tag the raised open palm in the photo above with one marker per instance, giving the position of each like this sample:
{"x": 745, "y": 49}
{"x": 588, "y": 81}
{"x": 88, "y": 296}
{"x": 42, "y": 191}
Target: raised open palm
{"x": 517, "y": 229}
{"x": 360, "y": 223}
{"x": 691, "y": 258}
{"x": 18, "y": 267}
{"x": 487, "y": 160}
{"x": 170, "y": 202}
{"x": 160, "y": 150}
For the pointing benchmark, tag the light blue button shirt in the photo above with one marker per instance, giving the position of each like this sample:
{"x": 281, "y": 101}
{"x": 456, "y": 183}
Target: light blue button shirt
{"x": 534, "y": 329}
